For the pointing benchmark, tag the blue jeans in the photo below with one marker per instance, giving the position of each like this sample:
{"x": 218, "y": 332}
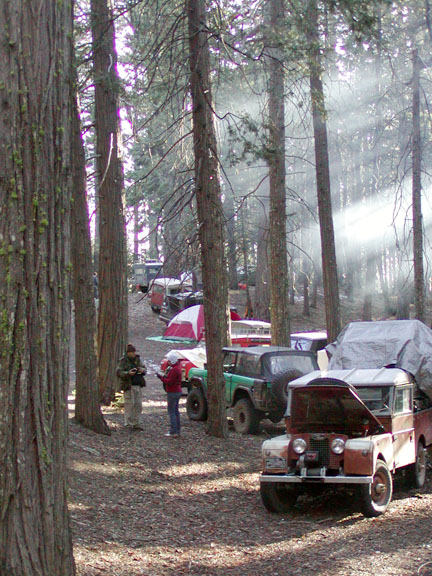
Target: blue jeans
{"x": 173, "y": 411}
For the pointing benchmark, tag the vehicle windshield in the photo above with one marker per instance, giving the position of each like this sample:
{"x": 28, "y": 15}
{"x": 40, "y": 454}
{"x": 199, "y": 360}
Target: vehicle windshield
{"x": 281, "y": 363}
{"x": 377, "y": 398}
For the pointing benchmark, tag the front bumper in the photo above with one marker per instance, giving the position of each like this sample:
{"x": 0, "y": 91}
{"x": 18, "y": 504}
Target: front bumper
{"x": 320, "y": 478}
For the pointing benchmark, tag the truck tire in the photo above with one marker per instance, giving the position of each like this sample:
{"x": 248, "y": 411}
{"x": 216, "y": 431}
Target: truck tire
{"x": 280, "y": 385}
{"x": 278, "y": 497}
{"x": 376, "y": 497}
{"x": 196, "y": 405}
{"x": 246, "y": 418}
{"x": 416, "y": 473}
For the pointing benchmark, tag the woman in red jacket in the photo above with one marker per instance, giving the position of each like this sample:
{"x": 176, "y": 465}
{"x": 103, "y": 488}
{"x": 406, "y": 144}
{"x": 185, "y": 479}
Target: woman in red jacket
{"x": 172, "y": 380}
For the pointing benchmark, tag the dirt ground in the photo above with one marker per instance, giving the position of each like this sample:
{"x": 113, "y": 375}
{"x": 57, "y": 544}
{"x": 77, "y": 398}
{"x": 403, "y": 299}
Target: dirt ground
{"x": 142, "y": 504}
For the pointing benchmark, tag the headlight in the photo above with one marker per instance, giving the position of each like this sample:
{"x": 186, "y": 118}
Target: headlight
{"x": 299, "y": 445}
{"x": 338, "y": 445}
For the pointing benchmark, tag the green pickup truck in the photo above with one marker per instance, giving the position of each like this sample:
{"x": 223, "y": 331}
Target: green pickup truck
{"x": 256, "y": 381}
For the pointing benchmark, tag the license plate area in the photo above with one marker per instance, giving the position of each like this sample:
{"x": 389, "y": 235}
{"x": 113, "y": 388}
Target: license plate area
{"x": 275, "y": 463}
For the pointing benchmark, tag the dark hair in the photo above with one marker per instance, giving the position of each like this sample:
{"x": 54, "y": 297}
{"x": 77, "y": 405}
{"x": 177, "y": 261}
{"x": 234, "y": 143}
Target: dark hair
{"x": 130, "y": 348}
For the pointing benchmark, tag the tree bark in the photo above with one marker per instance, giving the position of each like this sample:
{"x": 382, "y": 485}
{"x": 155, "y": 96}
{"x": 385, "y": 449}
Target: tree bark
{"x": 306, "y": 302}
{"x": 231, "y": 239}
{"x": 262, "y": 274}
{"x": 370, "y": 278}
{"x": 249, "y": 311}
{"x": 87, "y": 408}
{"x": 279, "y": 312}
{"x": 419, "y": 291}
{"x": 35, "y": 192}
{"x": 112, "y": 317}
{"x": 328, "y": 250}
{"x": 382, "y": 274}
{"x": 373, "y": 183}
{"x": 210, "y": 217}
{"x": 136, "y": 230}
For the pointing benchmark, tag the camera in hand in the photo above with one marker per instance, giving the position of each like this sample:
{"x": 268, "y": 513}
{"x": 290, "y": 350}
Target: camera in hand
{"x": 138, "y": 379}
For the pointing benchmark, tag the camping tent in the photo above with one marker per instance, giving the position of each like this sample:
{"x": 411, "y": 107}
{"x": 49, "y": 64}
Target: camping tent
{"x": 189, "y": 324}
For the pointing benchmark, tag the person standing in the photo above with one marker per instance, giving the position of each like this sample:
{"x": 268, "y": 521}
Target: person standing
{"x": 172, "y": 382}
{"x": 131, "y": 373}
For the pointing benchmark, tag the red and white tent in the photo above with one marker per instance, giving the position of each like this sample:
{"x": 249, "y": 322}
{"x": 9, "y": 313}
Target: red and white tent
{"x": 189, "y": 324}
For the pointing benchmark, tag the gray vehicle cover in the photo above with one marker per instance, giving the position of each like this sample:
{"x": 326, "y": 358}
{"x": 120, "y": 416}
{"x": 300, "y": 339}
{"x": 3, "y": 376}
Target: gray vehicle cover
{"x": 405, "y": 344}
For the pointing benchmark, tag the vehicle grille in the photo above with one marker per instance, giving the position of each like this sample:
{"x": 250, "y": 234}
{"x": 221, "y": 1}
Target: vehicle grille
{"x": 322, "y": 446}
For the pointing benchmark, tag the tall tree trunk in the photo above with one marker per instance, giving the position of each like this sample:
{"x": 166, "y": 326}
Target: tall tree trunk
{"x": 419, "y": 292}
{"x": 112, "y": 327}
{"x": 306, "y": 302}
{"x": 210, "y": 217}
{"x": 373, "y": 184}
{"x": 292, "y": 281}
{"x": 87, "y": 408}
{"x": 388, "y": 308}
{"x": 249, "y": 309}
{"x": 262, "y": 274}
{"x": 136, "y": 230}
{"x": 232, "y": 248}
{"x": 369, "y": 284}
{"x": 402, "y": 306}
{"x": 273, "y": 39}
{"x": 173, "y": 265}
{"x": 35, "y": 192}
{"x": 328, "y": 250}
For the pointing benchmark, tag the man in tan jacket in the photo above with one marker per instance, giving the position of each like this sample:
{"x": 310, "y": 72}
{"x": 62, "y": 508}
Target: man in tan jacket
{"x": 131, "y": 373}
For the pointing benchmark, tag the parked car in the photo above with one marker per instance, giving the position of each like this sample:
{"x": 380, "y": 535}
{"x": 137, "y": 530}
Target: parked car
{"x": 256, "y": 380}
{"x": 352, "y": 428}
{"x": 160, "y": 288}
{"x": 175, "y": 303}
{"x": 367, "y": 417}
{"x": 312, "y": 341}
{"x": 144, "y": 272}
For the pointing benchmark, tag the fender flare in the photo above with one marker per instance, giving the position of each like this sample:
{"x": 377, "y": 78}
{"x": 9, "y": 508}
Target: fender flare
{"x": 198, "y": 382}
{"x": 243, "y": 392}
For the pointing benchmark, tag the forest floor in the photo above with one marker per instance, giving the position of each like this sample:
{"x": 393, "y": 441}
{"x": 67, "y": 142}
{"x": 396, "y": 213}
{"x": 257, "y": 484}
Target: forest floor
{"x": 143, "y": 504}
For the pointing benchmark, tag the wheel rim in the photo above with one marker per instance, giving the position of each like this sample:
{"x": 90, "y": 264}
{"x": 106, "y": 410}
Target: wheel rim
{"x": 379, "y": 489}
